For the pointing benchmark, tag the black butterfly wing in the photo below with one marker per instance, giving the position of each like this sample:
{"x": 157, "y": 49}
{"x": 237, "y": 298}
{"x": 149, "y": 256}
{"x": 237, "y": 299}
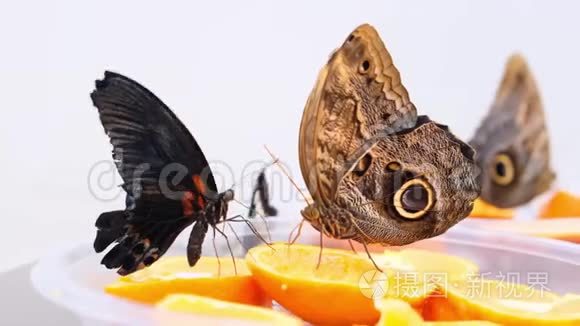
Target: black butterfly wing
{"x": 165, "y": 174}
{"x": 143, "y": 130}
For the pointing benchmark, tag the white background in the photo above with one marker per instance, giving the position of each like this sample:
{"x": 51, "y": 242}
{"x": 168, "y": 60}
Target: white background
{"x": 238, "y": 74}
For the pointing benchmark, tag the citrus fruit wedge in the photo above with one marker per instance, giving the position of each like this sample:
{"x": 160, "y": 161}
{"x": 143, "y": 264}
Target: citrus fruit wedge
{"x": 209, "y": 277}
{"x": 323, "y": 294}
{"x": 429, "y": 266}
{"x": 567, "y": 229}
{"x": 567, "y": 305}
{"x": 482, "y": 209}
{"x": 562, "y": 204}
{"x": 414, "y": 274}
{"x": 208, "y": 307}
{"x": 347, "y": 283}
{"x": 500, "y": 302}
{"x": 398, "y": 312}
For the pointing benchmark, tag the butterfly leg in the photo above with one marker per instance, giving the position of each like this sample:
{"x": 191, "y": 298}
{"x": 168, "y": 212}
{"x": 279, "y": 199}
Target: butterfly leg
{"x": 216, "y": 253}
{"x": 229, "y": 247}
{"x": 250, "y": 215}
{"x": 298, "y": 228}
{"x": 371, "y": 257}
{"x": 320, "y": 252}
{"x": 240, "y": 241}
{"x": 240, "y": 218}
{"x": 352, "y": 246}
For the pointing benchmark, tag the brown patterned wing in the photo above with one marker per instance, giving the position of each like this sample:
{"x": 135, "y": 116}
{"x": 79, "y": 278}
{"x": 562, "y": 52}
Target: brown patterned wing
{"x": 411, "y": 185}
{"x": 512, "y": 141}
{"x": 357, "y": 99}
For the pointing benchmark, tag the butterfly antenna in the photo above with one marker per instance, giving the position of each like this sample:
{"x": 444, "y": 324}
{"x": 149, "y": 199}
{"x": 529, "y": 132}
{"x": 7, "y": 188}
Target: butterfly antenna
{"x": 262, "y": 217}
{"x": 277, "y": 162}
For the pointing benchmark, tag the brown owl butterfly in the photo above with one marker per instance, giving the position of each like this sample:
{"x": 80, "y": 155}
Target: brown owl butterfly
{"x": 512, "y": 144}
{"x": 378, "y": 172}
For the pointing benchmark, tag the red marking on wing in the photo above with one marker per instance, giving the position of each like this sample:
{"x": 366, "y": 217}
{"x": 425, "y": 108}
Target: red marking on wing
{"x": 187, "y": 203}
{"x": 201, "y": 202}
{"x": 201, "y": 189}
{"x": 199, "y": 184}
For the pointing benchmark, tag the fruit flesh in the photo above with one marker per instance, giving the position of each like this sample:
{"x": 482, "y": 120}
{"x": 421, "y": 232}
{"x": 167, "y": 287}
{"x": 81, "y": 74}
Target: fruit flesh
{"x": 208, "y": 277}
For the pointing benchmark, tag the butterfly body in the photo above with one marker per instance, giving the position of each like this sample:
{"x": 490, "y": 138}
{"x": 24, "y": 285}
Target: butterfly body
{"x": 378, "y": 172}
{"x": 215, "y": 212}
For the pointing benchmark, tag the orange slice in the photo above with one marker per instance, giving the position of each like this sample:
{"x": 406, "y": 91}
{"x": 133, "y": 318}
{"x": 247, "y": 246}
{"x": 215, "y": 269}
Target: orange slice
{"x": 414, "y": 273}
{"x": 173, "y": 275}
{"x": 568, "y": 304}
{"x": 562, "y": 204}
{"x": 501, "y": 302}
{"x": 327, "y": 294}
{"x": 348, "y": 283}
{"x": 225, "y": 311}
{"x": 485, "y": 210}
{"x": 398, "y": 312}
{"x": 567, "y": 229}
{"x": 428, "y": 265}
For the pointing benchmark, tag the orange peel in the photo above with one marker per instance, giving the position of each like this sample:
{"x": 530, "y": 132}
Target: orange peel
{"x": 562, "y": 204}
{"x": 500, "y": 302}
{"x": 483, "y": 209}
{"x": 223, "y": 310}
{"x": 208, "y": 278}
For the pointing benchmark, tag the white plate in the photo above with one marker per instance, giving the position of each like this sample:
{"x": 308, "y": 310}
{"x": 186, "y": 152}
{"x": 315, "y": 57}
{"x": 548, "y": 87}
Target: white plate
{"x": 74, "y": 279}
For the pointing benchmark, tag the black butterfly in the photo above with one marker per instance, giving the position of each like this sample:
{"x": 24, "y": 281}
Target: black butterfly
{"x": 260, "y": 204}
{"x": 167, "y": 178}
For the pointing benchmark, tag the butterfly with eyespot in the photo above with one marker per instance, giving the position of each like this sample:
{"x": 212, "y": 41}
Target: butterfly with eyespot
{"x": 378, "y": 172}
{"x": 166, "y": 176}
{"x": 512, "y": 142}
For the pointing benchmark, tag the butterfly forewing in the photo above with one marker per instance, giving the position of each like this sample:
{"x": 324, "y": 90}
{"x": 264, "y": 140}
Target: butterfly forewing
{"x": 144, "y": 131}
{"x": 357, "y": 99}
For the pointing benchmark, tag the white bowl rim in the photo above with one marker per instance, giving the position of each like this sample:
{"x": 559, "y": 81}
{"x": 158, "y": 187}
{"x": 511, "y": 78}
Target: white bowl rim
{"x": 50, "y": 279}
